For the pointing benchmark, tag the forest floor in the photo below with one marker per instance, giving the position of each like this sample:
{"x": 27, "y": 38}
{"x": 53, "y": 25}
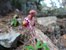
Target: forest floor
{"x": 59, "y": 39}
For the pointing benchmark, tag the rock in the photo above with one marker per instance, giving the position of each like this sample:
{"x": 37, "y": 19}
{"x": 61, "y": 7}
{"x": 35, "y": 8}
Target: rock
{"x": 9, "y": 39}
{"x": 41, "y": 27}
{"x": 45, "y": 21}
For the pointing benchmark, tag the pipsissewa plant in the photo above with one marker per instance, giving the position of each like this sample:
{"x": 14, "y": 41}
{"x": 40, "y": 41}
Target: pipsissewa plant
{"x": 38, "y": 46}
{"x": 14, "y": 21}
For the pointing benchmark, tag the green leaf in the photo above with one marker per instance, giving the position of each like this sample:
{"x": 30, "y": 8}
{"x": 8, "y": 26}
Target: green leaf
{"x": 29, "y": 47}
{"x": 46, "y": 46}
{"x": 38, "y": 45}
{"x": 14, "y": 22}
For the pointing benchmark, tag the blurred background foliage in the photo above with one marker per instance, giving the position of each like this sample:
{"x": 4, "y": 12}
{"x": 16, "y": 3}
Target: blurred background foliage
{"x": 39, "y": 5}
